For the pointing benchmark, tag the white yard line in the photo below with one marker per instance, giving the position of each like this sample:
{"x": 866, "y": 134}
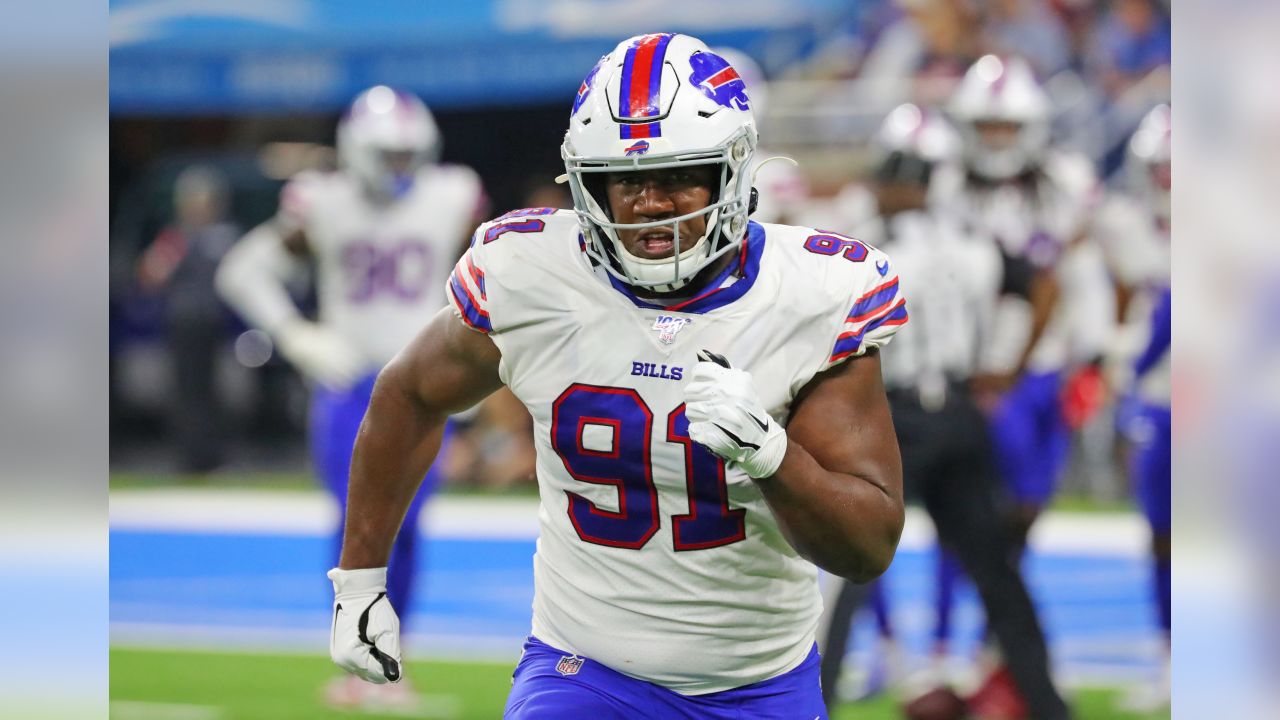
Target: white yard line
{"x": 307, "y": 513}
{"x": 274, "y": 512}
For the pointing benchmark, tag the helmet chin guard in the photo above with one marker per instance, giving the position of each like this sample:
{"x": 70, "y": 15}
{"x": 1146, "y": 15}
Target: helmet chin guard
{"x": 661, "y": 101}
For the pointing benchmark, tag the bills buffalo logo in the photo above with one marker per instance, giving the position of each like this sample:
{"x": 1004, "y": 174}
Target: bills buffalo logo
{"x": 569, "y": 665}
{"x": 585, "y": 88}
{"x": 717, "y": 79}
{"x": 641, "y": 147}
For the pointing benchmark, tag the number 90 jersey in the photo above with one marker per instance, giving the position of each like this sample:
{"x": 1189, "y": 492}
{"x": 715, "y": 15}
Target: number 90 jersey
{"x": 654, "y": 558}
{"x": 380, "y": 268}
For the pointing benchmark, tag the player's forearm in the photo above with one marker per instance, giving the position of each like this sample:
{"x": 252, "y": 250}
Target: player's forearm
{"x": 1043, "y": 295}
{"x": 845, "y": 524}
{"x": 398, "y": 439}
{"x": 251, "y": 279}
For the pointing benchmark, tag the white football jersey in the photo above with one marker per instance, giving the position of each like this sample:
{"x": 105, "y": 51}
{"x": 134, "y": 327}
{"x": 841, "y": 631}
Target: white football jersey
{"x": 654, "y": 558}
{"x": 1138, "y": 254}
{"x": 1046, "y": 221}
{"x": 381, "y": 268}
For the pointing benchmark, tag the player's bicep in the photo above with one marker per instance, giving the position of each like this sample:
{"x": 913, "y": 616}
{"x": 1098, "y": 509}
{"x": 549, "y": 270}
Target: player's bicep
{"x": 448, "y": 367}
{"x": 841, "y": 417}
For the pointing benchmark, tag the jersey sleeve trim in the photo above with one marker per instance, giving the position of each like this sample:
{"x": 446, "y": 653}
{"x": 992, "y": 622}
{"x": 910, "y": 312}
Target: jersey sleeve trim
{"x": 850, "y": 341}
{"x": 477, "y": 276}
{"x": 470, "y": 305}
{"x": 872, "y": 303}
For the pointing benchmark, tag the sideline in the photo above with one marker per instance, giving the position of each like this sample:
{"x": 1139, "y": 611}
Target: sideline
{"x": 288, "y": 512}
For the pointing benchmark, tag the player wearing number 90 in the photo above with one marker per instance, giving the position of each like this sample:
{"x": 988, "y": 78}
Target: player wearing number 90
{"x": 710, "y": 421}
{"x": 383, "y": 232}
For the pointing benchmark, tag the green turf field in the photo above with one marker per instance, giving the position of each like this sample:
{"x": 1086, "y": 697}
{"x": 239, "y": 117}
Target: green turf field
{"x": 151, "y": 685}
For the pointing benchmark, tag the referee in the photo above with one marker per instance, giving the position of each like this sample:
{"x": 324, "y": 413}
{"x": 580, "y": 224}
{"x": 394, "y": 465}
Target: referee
{"x": 948, "y": 461}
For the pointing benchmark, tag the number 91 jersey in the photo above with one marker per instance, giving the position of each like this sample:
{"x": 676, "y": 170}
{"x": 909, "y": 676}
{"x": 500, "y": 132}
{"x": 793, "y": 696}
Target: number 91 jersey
{"x": 381, "y": 267}
{"x": 654, "y": 558}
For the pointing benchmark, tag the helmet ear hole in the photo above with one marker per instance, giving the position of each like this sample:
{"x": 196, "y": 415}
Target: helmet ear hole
{"x": 594, "y": 184}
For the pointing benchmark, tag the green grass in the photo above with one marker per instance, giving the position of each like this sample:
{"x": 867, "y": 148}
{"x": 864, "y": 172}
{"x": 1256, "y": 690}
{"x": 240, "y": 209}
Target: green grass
{"x": 281, "y": 687}
{"x": 238, "y": 686}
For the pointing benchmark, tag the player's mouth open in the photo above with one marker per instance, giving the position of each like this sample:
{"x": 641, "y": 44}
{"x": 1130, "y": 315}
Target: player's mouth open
{"x": 655, "y": 244}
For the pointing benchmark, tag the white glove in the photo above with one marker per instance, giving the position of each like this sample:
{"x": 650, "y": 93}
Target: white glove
{"x": 320, "y": 353}
{"x": 725, "y": 415}
{"x": 365, "y": 640}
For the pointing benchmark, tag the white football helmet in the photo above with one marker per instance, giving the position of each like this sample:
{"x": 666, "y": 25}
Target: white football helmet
{"x": 919, "y": 132}
{"x": 659, "y": 101}
{"x": 381, "y": 124}
{"x": 996, "y": 90}
{"x": 1149, "y": 162}
{"x": 910, "y": 142}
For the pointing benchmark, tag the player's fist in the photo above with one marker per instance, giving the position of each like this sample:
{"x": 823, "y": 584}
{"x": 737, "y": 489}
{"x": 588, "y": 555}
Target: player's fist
{"x": 365, "y": 639}
{"x": 320, "y": 354}
{"x": 726, "y": 416}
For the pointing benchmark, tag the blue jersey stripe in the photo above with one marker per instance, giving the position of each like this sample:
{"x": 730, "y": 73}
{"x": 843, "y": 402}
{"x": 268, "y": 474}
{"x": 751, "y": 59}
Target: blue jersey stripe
{"x": 471, "y": 312}
{"x": 848, "y": 343}
{"x": 874, "y": 301}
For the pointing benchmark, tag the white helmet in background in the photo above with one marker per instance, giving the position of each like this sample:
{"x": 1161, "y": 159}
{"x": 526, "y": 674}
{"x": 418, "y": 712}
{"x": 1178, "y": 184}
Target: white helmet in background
{"x": 919, "y": 132}
{"x": 659, "y": 101}
{"x": 1150, "y": 158}
{"x": 1003, "y": 115}
{"x": 910, "y": 142}
{"x": 385, "y": 137}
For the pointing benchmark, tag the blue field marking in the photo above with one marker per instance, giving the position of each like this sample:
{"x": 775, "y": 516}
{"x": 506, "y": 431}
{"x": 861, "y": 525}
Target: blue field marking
{"x": 478, "y": 592}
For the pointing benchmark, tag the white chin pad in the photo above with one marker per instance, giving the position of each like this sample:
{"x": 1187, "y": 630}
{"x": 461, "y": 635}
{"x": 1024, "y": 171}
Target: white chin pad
{"x": 663, "y": 270}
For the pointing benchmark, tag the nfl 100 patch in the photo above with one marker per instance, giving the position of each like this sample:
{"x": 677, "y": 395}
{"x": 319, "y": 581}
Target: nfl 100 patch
{"x": 667, "y": 326}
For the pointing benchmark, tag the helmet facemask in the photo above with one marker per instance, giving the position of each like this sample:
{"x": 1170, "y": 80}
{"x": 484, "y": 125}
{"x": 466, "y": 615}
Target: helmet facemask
{"x": 726, "y": 213}
{"x": 1009, "y": 156}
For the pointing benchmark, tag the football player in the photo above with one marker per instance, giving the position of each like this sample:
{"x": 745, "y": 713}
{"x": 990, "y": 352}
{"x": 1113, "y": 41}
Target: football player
{"x": 710, "y": 423}
{"x": 383, "y": 232}
{"x": 1134, "y": 229}
{"x": 1034, "y": 202}
{"x": 1056, "y": 311}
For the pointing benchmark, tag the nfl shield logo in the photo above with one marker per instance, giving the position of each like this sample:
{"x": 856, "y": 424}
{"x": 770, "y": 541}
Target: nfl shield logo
{"x": 569, "y": 665}
{"x": 667, "y": 326}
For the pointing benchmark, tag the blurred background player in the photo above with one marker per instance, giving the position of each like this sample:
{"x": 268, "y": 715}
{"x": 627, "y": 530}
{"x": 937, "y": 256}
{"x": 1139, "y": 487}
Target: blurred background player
{"x": 1033, "y": 202}
{"x": 1134, "y": 229}
{"x": 180, "y": 264}
{"x": 383, "y": 233}
{"x": 948, "y": 459}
